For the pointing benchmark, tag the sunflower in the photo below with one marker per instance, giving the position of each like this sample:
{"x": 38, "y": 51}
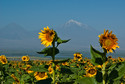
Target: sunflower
{"x": 3, "y": 59}
{"x": 91, "y": 71}
{"x": 77, "y": 56}
{"x": 16, "y": 79}
{"x": 108, "y": 41}
{"x": 40, "y": 75}
{"x": 65, "y": 64}
{"x": 46, "y": 36}
{"x": 109, "y": 57}
{"x": 57, "y": 67}
{"x": 29, "y": 71}
{"x": 50, "y": 69}
{"x": 25, "y": 58}
{"x": 120, "y": 59}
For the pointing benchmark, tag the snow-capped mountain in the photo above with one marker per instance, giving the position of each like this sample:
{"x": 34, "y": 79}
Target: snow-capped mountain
{"x": 81, "y": 35}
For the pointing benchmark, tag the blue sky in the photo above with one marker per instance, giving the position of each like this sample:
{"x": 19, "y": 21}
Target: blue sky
{"x": 36, "y": 14}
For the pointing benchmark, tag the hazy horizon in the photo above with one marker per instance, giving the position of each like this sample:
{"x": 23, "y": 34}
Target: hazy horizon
{"x": 81, "y": 21}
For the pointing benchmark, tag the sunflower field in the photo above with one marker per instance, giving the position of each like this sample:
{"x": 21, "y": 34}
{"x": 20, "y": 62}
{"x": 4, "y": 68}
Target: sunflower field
{"x": 100, "y": 69}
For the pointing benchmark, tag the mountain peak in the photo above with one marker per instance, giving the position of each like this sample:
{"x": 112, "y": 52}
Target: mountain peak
{"x": 13, "y": 31}
{"x": 74, "y": 22}
{"x": 13, "y": 26}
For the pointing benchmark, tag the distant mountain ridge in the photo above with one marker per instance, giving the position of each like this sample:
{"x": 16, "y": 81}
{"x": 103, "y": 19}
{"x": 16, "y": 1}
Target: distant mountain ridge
{"x": 14, "y": 36}
{"x": 81, "y": 35}
{"x": 14, "y": 31}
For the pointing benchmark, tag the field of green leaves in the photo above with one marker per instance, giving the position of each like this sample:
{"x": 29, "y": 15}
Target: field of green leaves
{"x": 71, "y": 71}
{"x": 100, "y": 69}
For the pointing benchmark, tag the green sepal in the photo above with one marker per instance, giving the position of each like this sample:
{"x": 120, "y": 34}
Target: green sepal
{"x": 60, "y": 41}
{"x": 48, "y": 51}
{"x": 97, "y": 58}
{"x": 55, "y": 37}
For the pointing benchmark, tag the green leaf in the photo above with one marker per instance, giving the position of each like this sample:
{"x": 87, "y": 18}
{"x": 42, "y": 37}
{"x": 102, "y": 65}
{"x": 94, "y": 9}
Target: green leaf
{"x": 59, "y": 41}
{"x": 74, "y": 70}
{"x": 25, "y": 77}
{"x": 40, "y": 68}
{"x": 46, "y": 81}
{"x": 9, "y": 80}
{"x": 61, "y": 61}
{"x": 1, "y": 67}
{"x": 117, "y": 71}
{"x": 97, "y": 58}
{"x": 86, "y": 80}
{"x": 98, "y": 77}
{"x": 65, "y": 70}
{"x": 48, "y": 51}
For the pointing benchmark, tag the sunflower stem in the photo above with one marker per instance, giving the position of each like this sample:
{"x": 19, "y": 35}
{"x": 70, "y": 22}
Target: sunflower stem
{"x": 103, "y": 73}
{"x": 103, "y": 69}
{"x": 53, "y": 58}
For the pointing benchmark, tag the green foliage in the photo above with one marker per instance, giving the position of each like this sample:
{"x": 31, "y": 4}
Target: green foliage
{"x": 61, "y": 61}
{"x": 86, "y": 80}
{"x": 40, "y": 68}
{"x": 116, "y": 71}
{"x": 97, "y": 58}
{"x": 46, "y": 81}
{"x": 49, "y": 51}
{"x": 98, "y": 77}
{"x": 59, "y": 41}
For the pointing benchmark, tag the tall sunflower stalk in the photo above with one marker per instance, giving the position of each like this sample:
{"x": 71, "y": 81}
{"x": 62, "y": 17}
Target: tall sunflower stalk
{"x": 108, "y": 42}
{"x": 53, "y": 58}
{"x": 50, "y": 38}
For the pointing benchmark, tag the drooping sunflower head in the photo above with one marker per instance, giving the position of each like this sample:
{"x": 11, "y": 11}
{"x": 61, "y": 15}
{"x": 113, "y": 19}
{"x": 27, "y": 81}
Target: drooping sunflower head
{"x": 25, "y": 58}
{"x": 108, "y": 41}
{"x": 46, "y": 36}
{"x": 40, "y": 75}
{"x": 3, "y": 59}
{"x": 90, "y": 72}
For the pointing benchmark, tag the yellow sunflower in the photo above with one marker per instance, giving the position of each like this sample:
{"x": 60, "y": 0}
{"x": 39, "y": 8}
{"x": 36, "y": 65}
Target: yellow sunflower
{"x": 25, "y": 58}
{"x": 65, "y": 64}
{"x": 16, "y": 79}
{"x": 3, "y": 59}
{"x": 29, "y": 71}
{"x": 40, "y": 75}
{"x": 91, "y": 71}
{"x": 77, "y": 56}
{"x": 50, "y": 70}
{"x": 46, "y": 36}
{"x": 108, "y": 41}
{"x": 57, "y": 67}
{"x": 121, "y": 59}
